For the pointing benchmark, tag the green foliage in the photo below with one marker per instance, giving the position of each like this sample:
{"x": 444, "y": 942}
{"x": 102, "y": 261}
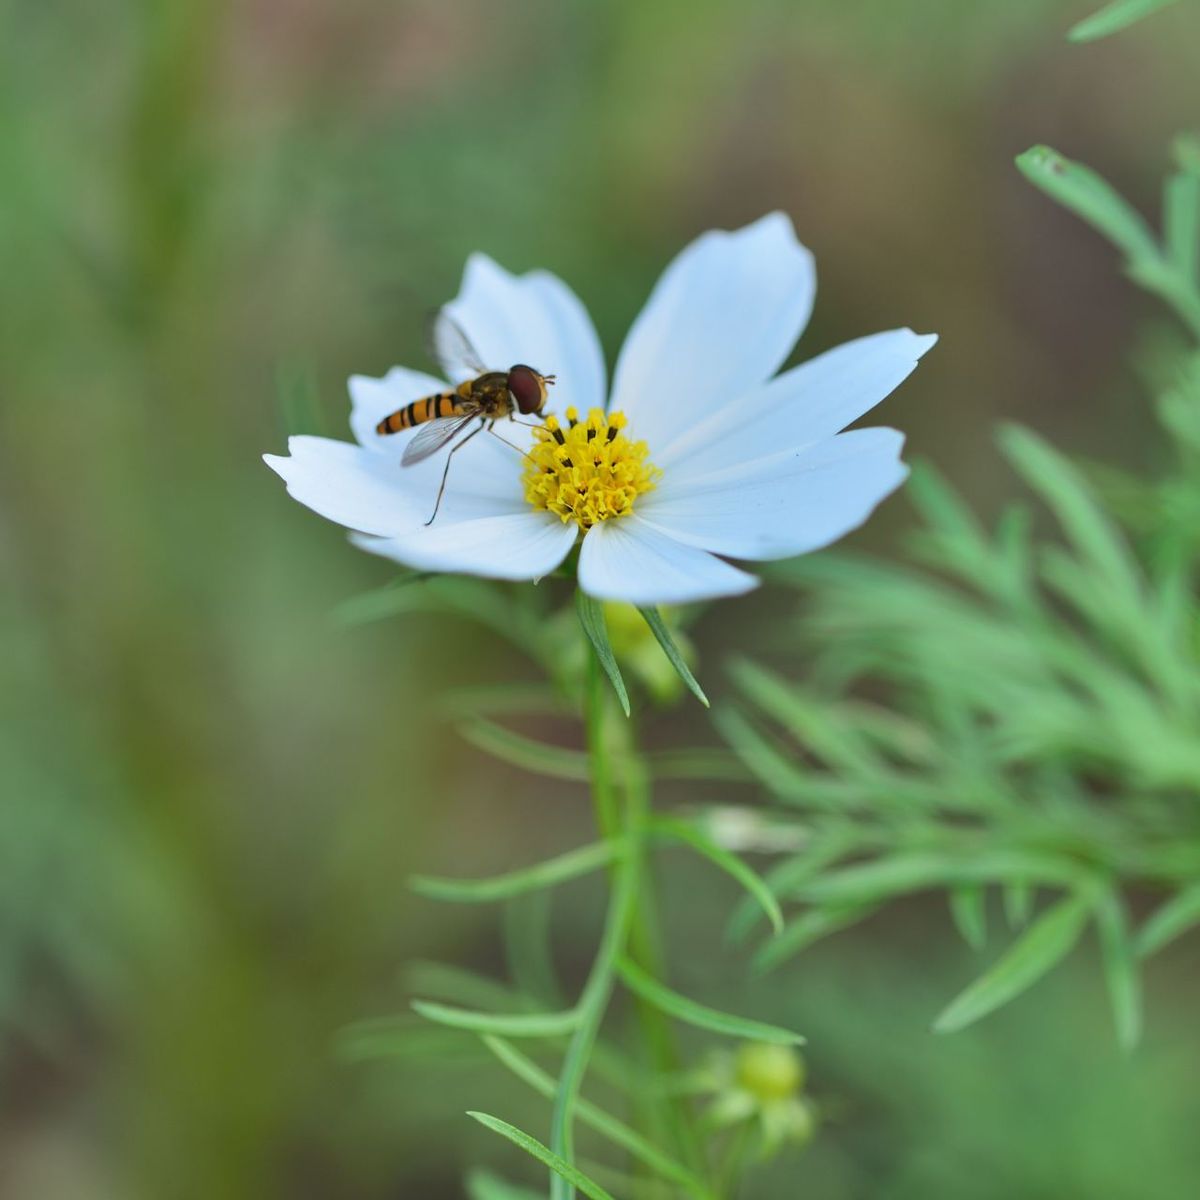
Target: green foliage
{"x": 591, "y": 618}
{"x": 703, "y": 1017}
{"x": 1033, "y": 719}
{"x": 559, "y": 1166}
{"x": 1166, "y": 268}
{"x": 1113, "y": 18}
{"x": 663, "y": 635}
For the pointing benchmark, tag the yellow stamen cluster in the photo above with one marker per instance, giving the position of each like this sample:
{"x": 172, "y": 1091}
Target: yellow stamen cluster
{"x": 586, "y": 471}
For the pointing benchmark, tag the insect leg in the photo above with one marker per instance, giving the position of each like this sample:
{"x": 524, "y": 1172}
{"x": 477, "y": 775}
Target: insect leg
{"x": 446, "y": 473}
{"x": 510, "y": 445}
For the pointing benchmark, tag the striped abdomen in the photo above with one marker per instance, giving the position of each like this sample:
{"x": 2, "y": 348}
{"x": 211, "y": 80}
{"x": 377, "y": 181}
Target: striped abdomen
{"x": 428, "y": 408}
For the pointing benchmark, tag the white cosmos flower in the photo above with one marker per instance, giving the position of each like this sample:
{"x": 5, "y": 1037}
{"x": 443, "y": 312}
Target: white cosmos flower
{"x": 719, "y": 456}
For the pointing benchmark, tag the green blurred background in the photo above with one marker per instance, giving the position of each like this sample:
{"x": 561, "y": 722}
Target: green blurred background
{"x": 211, "y": 214}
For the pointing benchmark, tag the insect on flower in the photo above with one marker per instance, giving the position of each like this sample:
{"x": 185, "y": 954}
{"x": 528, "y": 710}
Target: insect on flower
{"x": 480, "y": 400}
{"x": 700, "y": 450}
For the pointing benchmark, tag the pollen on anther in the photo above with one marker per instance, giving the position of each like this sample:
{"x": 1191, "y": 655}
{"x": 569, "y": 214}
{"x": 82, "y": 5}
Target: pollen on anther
{"x": 582, "y": 476}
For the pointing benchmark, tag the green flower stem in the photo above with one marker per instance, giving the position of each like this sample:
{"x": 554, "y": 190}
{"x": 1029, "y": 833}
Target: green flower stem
{"x": 604, "y": 796}
{"x": 590, "y": 1010}
{"x": 617, "y": 774}
{"x": 616, "y": 765}
{"x": 734, "y": 1160}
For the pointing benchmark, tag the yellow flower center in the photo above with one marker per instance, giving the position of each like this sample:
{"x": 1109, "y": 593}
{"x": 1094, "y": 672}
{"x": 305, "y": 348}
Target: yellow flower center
{"x": 586, "y": 471}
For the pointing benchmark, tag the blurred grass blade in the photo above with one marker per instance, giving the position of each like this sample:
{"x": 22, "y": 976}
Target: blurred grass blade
{"x": 379, "y": 603}
{"x": 1017, "y": 896}
{"x": 786, "y": 878}
{"x": 1120, "y": 968}
{"x": 921, "y": 870}
{"x": 543, "y": 1154}
{"x": 483, "y": 1185}
{"x": 727, "y": 861}
{"x": 807, "y": 929}
{"x": 528, "y": 952}
{"x": 1181, "y": 222}
{"x": 968, "y": 908}
{"x": 500, "y": 887}
{"x": 691, "y": 1013}
{"x": 596, "y": 1118}
{"x": 817, "y": 726}
{"x": 591, "y": 617}
{"x": 465, "y": 988}
{"x": 506, "y": 1024}
{"x": 1062, "y": 487}
{"x": 1090, "y": 198}
{"x": 1114, "y": 17}
{"x": 1045, "y": 943}
{"x": 1169, "y": 921}
{"x": 299, "y": 401}
{"x": 764, "y": 758}
{"x": 659, "y": 628}
{"x": 539, "y": 758}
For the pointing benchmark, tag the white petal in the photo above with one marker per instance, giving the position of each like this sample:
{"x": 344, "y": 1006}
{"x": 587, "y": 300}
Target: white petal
{"x": 523, "y": 545}
{"x": 627, "y": 559}
{"x": 786, "y": 505}
{"x": 371, "y": 492}
{"x": 721, "y": 320}
{"x": 805, "y": 405}
{"x": 534, "y": 319}
{"x": 373, "y": 399}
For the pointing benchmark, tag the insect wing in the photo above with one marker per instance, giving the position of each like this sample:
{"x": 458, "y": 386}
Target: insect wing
{"x": 452, "y": 349}
{"x": 432, "y": 437}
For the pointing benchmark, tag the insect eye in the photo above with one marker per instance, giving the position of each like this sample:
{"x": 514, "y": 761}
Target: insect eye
{"x": 527, "y": 389}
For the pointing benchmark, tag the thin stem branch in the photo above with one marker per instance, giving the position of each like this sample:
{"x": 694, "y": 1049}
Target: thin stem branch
{"x": 604, "y": 797}
{"x": 591, "y": 1008}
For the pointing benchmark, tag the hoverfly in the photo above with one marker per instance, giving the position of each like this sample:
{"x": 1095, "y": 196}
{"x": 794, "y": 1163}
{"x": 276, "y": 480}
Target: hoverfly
{"x": 481, "y": 400}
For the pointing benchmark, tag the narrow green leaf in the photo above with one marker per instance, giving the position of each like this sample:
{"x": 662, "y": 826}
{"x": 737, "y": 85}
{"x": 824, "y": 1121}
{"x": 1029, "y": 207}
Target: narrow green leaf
{"x": 298, "y": 397}
{"x": 1169, "y": 921}
{"x": 691, "y": 1013}
{"x": 1114, "y": 17}
{"x": 1120, "y": 968}
{"x": 922, "y": 870}
{"x": 968, "y": 907}
{"x": 762, "y": 756}
{"x": 596, "y": 1118}
{"x": 379, "y": 603}
{"x": 728, "y": 862}
{"x": 1018, "y": 902}
{"x": 506, "y": 1024}
{"x": 659, "y": 628}
{"x": 700, "y": 762}
{"x": 500, "y": 887}
{"x": 788, "y": 877}
{"x": 830, "y": 738}
{"x": 526, "y": 921}
{"x": 404, "y": 1036}
{"x": 1059, "y": 482}
{"x": 1181, "y": 222}
{"x": 807, "y": 929}
{"x": 1045, "y": 943}
{"x": 543, "y": 1154}
{"x": 591, "y": 617}
{"x": 1090, "y": 198}
{"x": 449, "y": 983}
{"x": 539, "y": 758}
{"x": 483, "y": 1185}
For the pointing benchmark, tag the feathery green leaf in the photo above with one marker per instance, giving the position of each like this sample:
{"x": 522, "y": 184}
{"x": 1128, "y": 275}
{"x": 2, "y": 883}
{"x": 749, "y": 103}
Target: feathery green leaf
{"x": 591, "y": 617}
{"x": 691, "y": 1013}
{"x": 1046, "y": 942}
{"x": 553, "y": 871}
{"x": 659, "y": 628}
{"x": 560, "y": 1166}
